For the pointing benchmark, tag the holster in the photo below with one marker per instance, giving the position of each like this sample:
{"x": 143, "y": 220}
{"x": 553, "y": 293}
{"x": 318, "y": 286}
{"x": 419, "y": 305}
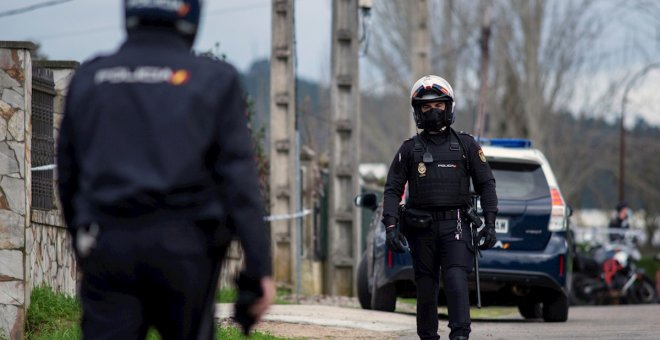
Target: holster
{"x": 415, "y": 218}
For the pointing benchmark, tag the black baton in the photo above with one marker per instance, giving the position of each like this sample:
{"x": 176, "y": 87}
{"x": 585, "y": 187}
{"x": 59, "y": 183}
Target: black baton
{"x": 476, "y": 264}
{"x": 475, "y": 223}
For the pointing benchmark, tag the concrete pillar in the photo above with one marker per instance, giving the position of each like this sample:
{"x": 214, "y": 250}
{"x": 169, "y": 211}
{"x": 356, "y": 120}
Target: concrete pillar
{"x": 283, "y": 142}
{"x": 15, "y": 137}
{"x": 421, "y": 46}
{"x": 344, "y": 226}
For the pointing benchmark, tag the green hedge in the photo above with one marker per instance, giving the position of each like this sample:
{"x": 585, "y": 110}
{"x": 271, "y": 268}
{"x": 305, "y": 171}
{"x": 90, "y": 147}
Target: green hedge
{"x": 650, "y": 266}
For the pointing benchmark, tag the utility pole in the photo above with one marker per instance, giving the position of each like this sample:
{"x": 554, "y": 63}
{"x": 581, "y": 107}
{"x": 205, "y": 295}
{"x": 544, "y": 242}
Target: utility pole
{"x": 483, "y": 77}
{"x": 344, "y": 225}
{"x": 284, "y": 189}
{"x": 421, "y": 46}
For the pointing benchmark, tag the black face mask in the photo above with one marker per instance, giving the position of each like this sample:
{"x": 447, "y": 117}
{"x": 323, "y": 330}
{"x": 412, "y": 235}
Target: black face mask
{"x": 434, "y": 119}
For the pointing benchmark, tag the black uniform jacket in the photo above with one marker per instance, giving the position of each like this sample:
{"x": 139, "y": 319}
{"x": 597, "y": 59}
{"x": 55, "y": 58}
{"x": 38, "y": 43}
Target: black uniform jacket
{"x": 153, "y": 132}
{"x": 403, "y": 166}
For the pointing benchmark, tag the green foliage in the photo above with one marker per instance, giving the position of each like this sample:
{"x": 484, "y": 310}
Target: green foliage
{"x": 261, "y": 155}
{"x": 234, "y": 333}
{"x": 225, "y": 295}
{"x": 484, "y": 312}
{"x": 228, "y": 295}
{"x": 282, "y": 297}
{"x": 650, "y": 266}
{"x": 52, "y": 316}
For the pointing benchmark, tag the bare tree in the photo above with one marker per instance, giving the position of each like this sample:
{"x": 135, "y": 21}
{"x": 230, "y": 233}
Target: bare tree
{"x": 549, "y": 61}
{"x": 541, "y": 48}
{"x": 643, "y": 178}
{"x": 389, "y": 50}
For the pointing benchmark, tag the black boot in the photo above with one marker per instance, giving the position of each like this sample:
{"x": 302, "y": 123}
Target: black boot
{"x": 460, "y": 337}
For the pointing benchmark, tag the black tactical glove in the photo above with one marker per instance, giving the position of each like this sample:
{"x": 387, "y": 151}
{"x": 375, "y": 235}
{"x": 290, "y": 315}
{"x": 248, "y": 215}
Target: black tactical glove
{"x": 488, "y": 232}
{"x": 489, "y": 237}
{"x": 249, "y": 291}
{"x": 395, "y": 240}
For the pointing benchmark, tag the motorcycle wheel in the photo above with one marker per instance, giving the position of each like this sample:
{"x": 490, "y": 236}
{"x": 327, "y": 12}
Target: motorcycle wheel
{"x": 642, "y": 292}
{"x": 582, "y": 290}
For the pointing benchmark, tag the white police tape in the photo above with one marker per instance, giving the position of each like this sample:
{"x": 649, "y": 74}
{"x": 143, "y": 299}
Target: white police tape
{"x": 44, "y": 167}
{"x": 287, "y": 216}
{"x": 270, "y": 218}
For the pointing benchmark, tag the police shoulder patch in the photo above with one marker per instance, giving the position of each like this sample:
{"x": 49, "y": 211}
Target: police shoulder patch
{"x": 482, "y": 156}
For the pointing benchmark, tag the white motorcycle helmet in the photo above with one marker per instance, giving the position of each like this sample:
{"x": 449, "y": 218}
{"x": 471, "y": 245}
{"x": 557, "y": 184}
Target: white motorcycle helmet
{"x": 432, "y": 89}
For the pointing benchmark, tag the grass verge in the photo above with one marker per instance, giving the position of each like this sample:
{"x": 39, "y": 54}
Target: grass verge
{"x": 475, "y": 313}
{"x": 53, "y": 316}
{"x": 228, "y": 295}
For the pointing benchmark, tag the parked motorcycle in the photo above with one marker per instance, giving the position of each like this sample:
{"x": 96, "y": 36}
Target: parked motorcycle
{"x": 608, "y": 274}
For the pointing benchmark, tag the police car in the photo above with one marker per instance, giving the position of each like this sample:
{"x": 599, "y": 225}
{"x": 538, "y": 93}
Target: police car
{"x": 529, "y": 267}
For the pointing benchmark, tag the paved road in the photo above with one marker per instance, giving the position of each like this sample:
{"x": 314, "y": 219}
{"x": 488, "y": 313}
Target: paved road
{"x": 603, "y": 322}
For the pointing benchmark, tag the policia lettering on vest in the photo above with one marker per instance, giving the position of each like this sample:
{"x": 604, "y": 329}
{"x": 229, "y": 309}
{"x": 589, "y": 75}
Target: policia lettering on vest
{"x": 437, "y": 164}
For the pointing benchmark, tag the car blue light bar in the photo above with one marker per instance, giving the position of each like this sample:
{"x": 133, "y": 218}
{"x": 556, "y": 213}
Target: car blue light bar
{"x": 507, "y": 142}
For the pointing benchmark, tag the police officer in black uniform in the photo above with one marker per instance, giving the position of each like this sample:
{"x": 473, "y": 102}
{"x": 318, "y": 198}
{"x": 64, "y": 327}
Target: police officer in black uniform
{"x": 619, "y": 222}
{"x": 437, "y": 164}
{"x": 156, "y": 173}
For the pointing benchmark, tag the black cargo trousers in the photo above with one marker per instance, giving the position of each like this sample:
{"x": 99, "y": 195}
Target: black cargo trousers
{"x": 436, "y": 248}
{"x": 152, "y": 274}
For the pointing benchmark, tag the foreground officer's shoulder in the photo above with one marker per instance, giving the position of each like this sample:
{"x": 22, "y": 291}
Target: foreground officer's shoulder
{"x": 409, "y": 141}
{"x": 217, "y": 73}
{"x": 464, "y": 135}
{"x": 93, "y": 61}
{"x": 211, "y": 62}
{"x": 91, "y": 64}
{"x": 468, "y": 138}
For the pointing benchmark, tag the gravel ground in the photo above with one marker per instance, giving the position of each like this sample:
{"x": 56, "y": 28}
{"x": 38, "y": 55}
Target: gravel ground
{"x": 303, "y": 330}
{"x": 339, "y": 301}
{"x": 339, "y": 317}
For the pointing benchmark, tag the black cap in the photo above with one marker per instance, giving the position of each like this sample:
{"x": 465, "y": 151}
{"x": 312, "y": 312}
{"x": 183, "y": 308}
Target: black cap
{"x": 181, "y": 15}
{"x": 621, "y": 205}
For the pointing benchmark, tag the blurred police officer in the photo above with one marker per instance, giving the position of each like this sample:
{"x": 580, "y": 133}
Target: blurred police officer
{"x": 619, "y": 223}
{"x": 437, "y": 164}
{"x": 154, "y": 163}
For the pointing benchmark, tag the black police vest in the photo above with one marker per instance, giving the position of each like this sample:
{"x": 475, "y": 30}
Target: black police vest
{"x": 443, "y": 181}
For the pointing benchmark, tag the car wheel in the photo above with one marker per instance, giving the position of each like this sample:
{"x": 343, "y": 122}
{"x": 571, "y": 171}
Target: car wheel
{"x": 530, "y": 310}
{"x": 363, "y": 283}
{"x": 556, "y": 309}
{"x": 384, "y": 298}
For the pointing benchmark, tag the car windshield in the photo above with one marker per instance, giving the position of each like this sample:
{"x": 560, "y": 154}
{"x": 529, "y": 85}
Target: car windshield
{"x": 520, "y": 181}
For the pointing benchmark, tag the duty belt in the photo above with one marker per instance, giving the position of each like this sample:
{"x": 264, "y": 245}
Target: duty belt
{"x": 444, "y": 214}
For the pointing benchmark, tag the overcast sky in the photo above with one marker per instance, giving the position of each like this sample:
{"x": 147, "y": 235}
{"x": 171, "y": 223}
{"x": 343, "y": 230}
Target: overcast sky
{"x": 80, "y": 29}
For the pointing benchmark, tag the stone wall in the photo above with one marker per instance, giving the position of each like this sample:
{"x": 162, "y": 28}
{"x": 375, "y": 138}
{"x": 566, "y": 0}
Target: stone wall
{"x": 15, "y": 104}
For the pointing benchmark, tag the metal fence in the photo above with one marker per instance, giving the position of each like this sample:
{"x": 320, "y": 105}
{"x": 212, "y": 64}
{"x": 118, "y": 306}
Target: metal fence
{"x": 43, "y": 94}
